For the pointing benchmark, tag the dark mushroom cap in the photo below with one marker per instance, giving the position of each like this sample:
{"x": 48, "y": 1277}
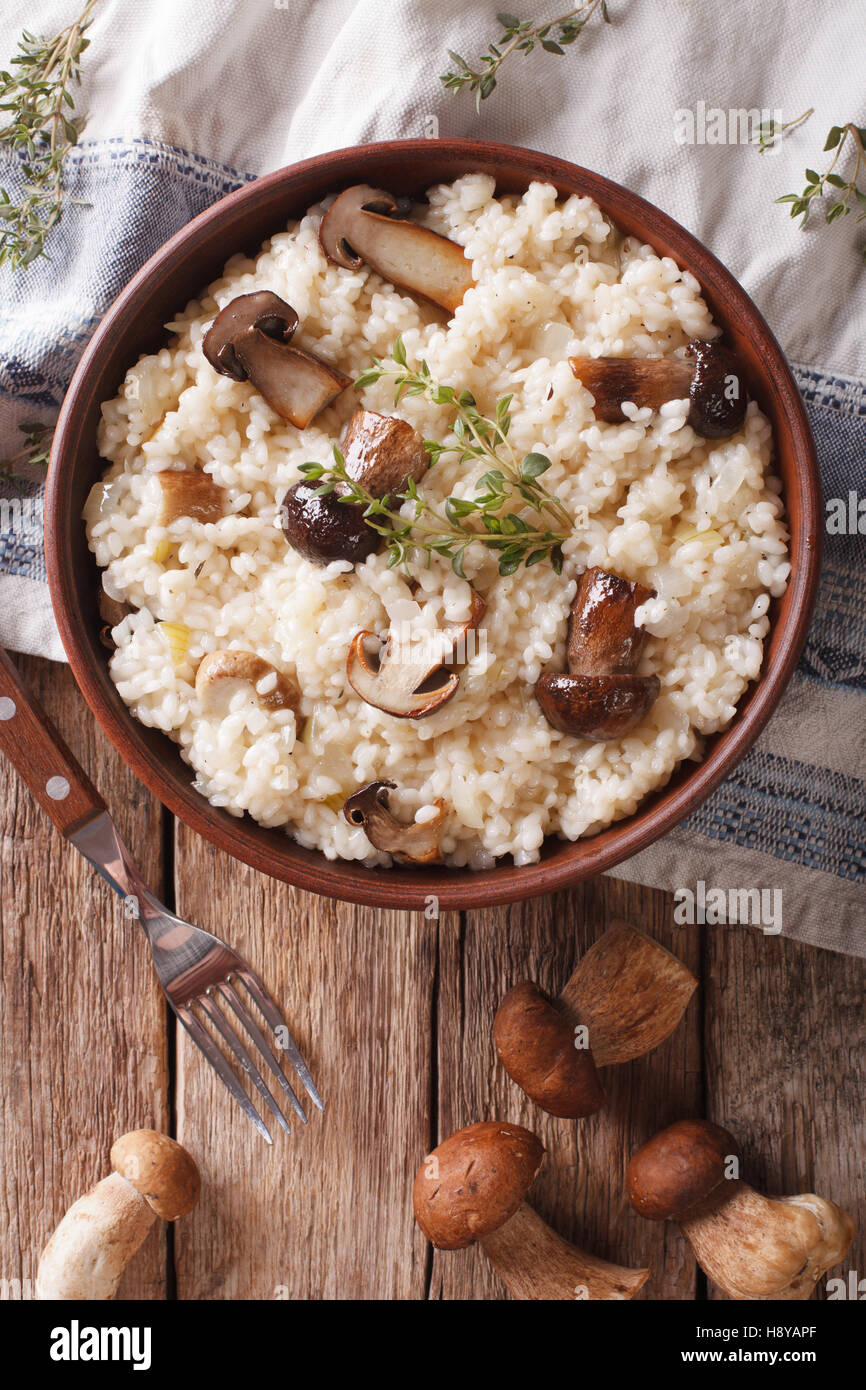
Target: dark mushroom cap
{"x": 596, "y": 707}
{"x": 536, "y": 1046}
{"x": 678, "y": 1168}
{"x": 602, "y": 636}
{"x": 410, "y": 843}
{"x": 718, "y": 392}
{"x": 323, "y": 529}
{"x": 473, "y": 1182}
{"x": 262, "y": 310}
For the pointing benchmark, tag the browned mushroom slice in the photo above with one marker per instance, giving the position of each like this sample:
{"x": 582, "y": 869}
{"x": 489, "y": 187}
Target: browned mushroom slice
{"x": 415, "y": 843}
{"x": 383, "y": 452}
{"x": 360, "y": 227}
{"x": 195, "y": 495}
{"x": 712, "y": 382}
{"x": 250, "y": 340}
{"x": 602, "y": 637}
{"x": 596, "y": 707}
{"x": 410, "y": 681}
{"x": 222, "y": 674}
{"x": 112, "y": 612}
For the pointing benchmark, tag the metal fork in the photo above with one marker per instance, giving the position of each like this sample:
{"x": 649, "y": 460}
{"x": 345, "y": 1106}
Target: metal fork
{"x": 194, "y": 967}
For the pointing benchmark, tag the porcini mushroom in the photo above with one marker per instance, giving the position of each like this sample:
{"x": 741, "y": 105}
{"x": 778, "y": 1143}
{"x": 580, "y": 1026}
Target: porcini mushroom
{"x": 601, "y": 697}
{"x": 751, "y": 1246}
{"x": 382, "y": 452}
{"x": 324, "y": 528}
{"x": 222, "y": 674}
{"x": 112, "y": 612}
{"x": 627, "y": 992}
{"x": 397, "y": 684}
{"x": 250, "y": 340}
{"x": 415, "y": 843}
{"x": 153, "y": 1176}
{"x": 360, "y": 227}
{"x": 188, "y": 493}
{"x": 712, "y": 380}
{"x": 472, "y": 1188}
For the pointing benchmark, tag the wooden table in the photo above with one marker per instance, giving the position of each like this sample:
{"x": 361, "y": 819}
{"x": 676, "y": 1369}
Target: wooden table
{"x": 394, "y": 1014}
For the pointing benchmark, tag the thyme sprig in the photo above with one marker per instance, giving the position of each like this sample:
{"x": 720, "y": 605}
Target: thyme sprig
{"x": 518, "y": 36}
{"x": 34, "y": 452}
{"x": 37, "y": 94}
{"x": 430, "y": 531}
{"x": 477, "y": 437}
{"x": 840, "y": 138}
{"x": 768, "y": 132}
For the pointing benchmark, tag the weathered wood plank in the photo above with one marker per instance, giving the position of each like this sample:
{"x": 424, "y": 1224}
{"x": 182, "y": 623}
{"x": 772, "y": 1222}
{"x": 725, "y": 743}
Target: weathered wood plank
{"x": 580, "y": 1188}
{"x": 785, "y": 1039}
{"x": 84, "y": 1043}
{"x": 326, "y": 1213}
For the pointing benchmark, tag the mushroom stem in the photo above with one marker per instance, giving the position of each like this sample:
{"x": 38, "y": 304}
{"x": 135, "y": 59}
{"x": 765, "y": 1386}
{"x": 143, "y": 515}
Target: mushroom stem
{"x": 629, "y": 992}
{"x": 536, "y": 1264}
{"x": 87, "y": 1254}
{"x": 712, "y": 381}
{"x": 757, "y": 1247}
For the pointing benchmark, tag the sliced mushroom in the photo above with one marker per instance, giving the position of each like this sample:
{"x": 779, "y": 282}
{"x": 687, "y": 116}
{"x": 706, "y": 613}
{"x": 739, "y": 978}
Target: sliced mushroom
{"x": 601, "y": 697}
{"x": 383, "y": 452}
{"x": 323, "y": 529}
{"x": 191, "y": 494}
{"x": 360, "y": 227}
{"x": 401, "y": 684}
{"x": 222, "y": 674}
{"x": 112, "y": 612}
{"x": 416, "y": 843}
{"x": 250, "y": 340}
{"x": 713, "y": 385}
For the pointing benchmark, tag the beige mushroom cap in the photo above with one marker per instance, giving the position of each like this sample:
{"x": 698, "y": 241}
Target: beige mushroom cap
{"x": 160, "y": 1169}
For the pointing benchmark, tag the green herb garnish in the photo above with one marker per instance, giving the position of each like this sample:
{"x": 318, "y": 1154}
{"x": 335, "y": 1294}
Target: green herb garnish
{"x": 842, "y": 139}
{"x": 36, "y": 94}
{"x": 518, "y": 36}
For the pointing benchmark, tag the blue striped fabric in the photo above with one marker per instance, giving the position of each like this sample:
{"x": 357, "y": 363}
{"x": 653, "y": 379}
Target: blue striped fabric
{"x": 795, "y": 809}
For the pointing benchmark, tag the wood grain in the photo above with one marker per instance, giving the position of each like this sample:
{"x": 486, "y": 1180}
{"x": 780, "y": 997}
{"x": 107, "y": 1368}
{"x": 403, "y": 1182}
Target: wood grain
{"x": 84, "y": 1048}
{"x": 325, "y": 1214}
{"x": 785, "y": 1039}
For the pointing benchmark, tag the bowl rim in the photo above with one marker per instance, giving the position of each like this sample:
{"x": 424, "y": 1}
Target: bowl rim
{"x": 452, "y": 888}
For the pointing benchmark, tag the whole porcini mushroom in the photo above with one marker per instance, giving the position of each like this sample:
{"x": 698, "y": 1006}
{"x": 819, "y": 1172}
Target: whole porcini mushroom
{"x": 153, "y": 1176}
{"x": 414, "y": 843}
{"x": 601, "y": 696}
{"x": 401, "y": 683}
{"x": 360, "y": 227}
{"x": 472, "y": 1188}
{"x": 751, "y": 1246}
{"x": 627, "y": 992}
{"x": 712, "y": 380}
{"x": 250, "y": 340}
{"x": 222, "y": 674}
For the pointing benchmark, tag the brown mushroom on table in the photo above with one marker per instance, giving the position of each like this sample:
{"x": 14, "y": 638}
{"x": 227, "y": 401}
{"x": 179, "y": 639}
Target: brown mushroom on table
{"x": 188, "y": 493}
{"x": 751, "y": 1246}
{"x": 472, "y": 1188}
{"x": 711, "y": 379}
{"x": 250, "y": 340}
{"x": 153, "y": 1176}
{"x": 382, "y": 453}
{"x": 222, "y": 674}
{"x": 413, "y": 843}
{"x": 627, "y": 992}
{"x": 410, "y": 680}
{"x": 601, "y": 697}
{"x": 360, "y": 228}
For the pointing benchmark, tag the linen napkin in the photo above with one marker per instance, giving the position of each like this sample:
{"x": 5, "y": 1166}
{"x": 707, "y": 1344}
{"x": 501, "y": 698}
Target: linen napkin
{"x": 187, "y": 99}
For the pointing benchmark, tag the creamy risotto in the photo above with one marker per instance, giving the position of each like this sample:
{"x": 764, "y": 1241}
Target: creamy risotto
{"x": 698, "y": 522}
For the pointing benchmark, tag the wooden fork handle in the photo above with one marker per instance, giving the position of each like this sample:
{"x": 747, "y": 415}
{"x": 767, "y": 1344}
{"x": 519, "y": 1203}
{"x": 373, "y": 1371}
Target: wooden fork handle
{"x": 40, "y": 756}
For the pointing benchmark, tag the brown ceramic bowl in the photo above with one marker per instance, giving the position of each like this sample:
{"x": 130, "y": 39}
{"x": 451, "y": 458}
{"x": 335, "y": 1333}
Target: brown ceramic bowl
{"x": 178, "y": 272}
